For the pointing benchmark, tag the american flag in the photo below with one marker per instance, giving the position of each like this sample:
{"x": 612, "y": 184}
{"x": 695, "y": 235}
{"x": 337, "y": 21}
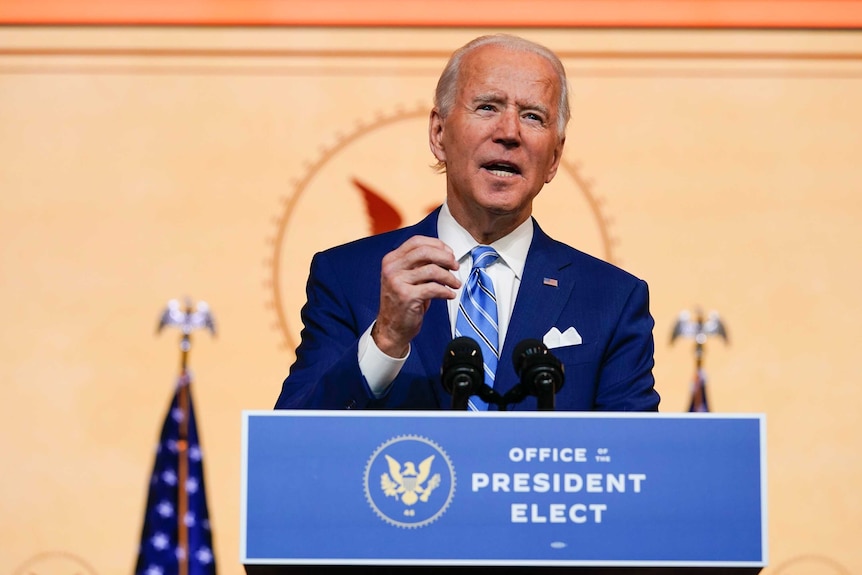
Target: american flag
{"x": 165, "y": 548}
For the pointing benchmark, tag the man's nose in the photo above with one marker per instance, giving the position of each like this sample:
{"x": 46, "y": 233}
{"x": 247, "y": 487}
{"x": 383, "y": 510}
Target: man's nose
{"x": 508, "y": 130}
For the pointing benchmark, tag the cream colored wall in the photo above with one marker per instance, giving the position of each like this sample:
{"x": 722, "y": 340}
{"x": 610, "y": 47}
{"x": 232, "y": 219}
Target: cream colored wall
{"x": 138, "y": 165}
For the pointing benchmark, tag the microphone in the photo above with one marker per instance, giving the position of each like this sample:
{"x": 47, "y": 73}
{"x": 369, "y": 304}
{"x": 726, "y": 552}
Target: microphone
{"x": 463, "y": 371}
{"x": 541, "y": 373}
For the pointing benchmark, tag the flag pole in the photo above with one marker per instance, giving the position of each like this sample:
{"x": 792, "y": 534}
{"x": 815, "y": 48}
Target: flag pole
{"x": 187, "y": 320}
{"x": 699, "y": 329}
{"x": 183, "y": 452}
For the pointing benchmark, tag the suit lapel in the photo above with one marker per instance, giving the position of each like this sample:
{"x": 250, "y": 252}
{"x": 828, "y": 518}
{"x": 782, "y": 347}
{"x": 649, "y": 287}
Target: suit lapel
{"x": 539, "y": 302}
{"x": 431, "y": 343}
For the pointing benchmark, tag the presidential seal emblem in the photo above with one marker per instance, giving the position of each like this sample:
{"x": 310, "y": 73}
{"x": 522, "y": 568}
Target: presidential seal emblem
{"x": 409, "y": 481}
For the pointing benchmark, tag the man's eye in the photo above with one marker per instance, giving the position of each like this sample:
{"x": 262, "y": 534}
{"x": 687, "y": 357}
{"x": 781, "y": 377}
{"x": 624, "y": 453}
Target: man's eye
{"x": 488, "y": 107}
{"x": 534, "y": 117}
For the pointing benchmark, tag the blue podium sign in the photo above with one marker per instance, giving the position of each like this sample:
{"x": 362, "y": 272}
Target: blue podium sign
{"x": 533, "y": 489}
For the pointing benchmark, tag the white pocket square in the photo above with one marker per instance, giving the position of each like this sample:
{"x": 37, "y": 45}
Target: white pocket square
{"x": 554, "y": 338}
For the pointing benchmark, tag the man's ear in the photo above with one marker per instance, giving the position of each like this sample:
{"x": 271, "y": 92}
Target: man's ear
{"x": 555, "y": 162}
{"x": 435, "y": 135}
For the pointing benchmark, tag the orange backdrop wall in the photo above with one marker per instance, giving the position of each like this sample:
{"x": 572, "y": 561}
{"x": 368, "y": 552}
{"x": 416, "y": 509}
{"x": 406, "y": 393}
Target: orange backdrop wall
{"x": 143, "y": 164}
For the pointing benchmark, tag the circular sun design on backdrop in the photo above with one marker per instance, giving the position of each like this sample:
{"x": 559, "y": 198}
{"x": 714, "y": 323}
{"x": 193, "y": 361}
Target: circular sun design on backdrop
{"x": 379, "y": 177}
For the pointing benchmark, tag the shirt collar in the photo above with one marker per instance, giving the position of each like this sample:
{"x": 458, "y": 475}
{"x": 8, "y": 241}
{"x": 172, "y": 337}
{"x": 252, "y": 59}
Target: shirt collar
{"x": 512, "y": 248}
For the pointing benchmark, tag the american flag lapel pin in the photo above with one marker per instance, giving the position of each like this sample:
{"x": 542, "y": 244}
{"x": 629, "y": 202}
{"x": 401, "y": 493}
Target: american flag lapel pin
{"x": 551, "y": 282}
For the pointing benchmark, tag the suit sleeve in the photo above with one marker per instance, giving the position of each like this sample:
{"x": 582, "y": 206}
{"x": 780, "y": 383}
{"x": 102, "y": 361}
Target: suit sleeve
{"x": 626, "y": 381}
{"x": 326, "y": 372}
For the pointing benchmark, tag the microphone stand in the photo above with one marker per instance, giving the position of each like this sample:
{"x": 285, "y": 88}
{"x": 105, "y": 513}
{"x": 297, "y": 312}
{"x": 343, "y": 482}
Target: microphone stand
{"x": 513, "y": 396}
{"x": 546, "y": 392}
{"x": 489, "y": 396}
{"x": 462, "y": 389}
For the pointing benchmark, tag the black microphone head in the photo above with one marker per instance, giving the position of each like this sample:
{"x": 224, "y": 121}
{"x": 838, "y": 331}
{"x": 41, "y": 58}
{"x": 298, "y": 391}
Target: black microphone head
{"x": 534, "y": 363}
{"x": 526, "y": 351}
{"x": 462, "y": 359}
{"x": 463, "y": 350}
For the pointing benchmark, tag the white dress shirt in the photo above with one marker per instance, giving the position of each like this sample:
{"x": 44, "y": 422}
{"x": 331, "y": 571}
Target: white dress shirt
{"x": 380, "y": 370}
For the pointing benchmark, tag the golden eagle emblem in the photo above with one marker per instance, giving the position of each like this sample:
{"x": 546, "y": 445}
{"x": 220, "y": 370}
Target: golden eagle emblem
{"x": 406, "y": 483}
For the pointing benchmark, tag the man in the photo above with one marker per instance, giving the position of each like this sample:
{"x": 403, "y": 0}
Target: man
{"x": 381, "y": 310}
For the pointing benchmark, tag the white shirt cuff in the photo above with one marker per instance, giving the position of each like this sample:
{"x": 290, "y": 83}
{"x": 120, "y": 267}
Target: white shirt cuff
{"x": 379, "y": 369}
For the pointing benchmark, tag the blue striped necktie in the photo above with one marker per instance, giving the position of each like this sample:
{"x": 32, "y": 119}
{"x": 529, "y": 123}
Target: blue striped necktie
{"x": 477, "y": 316}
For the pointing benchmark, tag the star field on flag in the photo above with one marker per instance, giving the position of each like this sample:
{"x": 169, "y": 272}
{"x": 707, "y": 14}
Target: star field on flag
{"x": 160, "y": 551}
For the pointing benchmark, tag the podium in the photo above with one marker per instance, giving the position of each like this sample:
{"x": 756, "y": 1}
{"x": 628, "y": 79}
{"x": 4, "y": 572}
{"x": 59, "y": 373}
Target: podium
{"x": 502, "y": 492}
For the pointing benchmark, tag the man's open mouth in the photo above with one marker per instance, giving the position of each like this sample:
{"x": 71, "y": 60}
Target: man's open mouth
{"x": 502, "y": 169}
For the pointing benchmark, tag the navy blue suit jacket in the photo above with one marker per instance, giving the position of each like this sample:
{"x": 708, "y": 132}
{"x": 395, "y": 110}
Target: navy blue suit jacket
{"x": 611, "y": 370}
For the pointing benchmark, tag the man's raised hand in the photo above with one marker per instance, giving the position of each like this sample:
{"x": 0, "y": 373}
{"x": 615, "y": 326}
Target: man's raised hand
{"x": 418, "y": 271}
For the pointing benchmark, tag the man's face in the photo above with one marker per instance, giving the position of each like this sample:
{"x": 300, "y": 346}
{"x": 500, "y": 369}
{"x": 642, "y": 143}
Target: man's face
{"x": 500, "y": 141}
